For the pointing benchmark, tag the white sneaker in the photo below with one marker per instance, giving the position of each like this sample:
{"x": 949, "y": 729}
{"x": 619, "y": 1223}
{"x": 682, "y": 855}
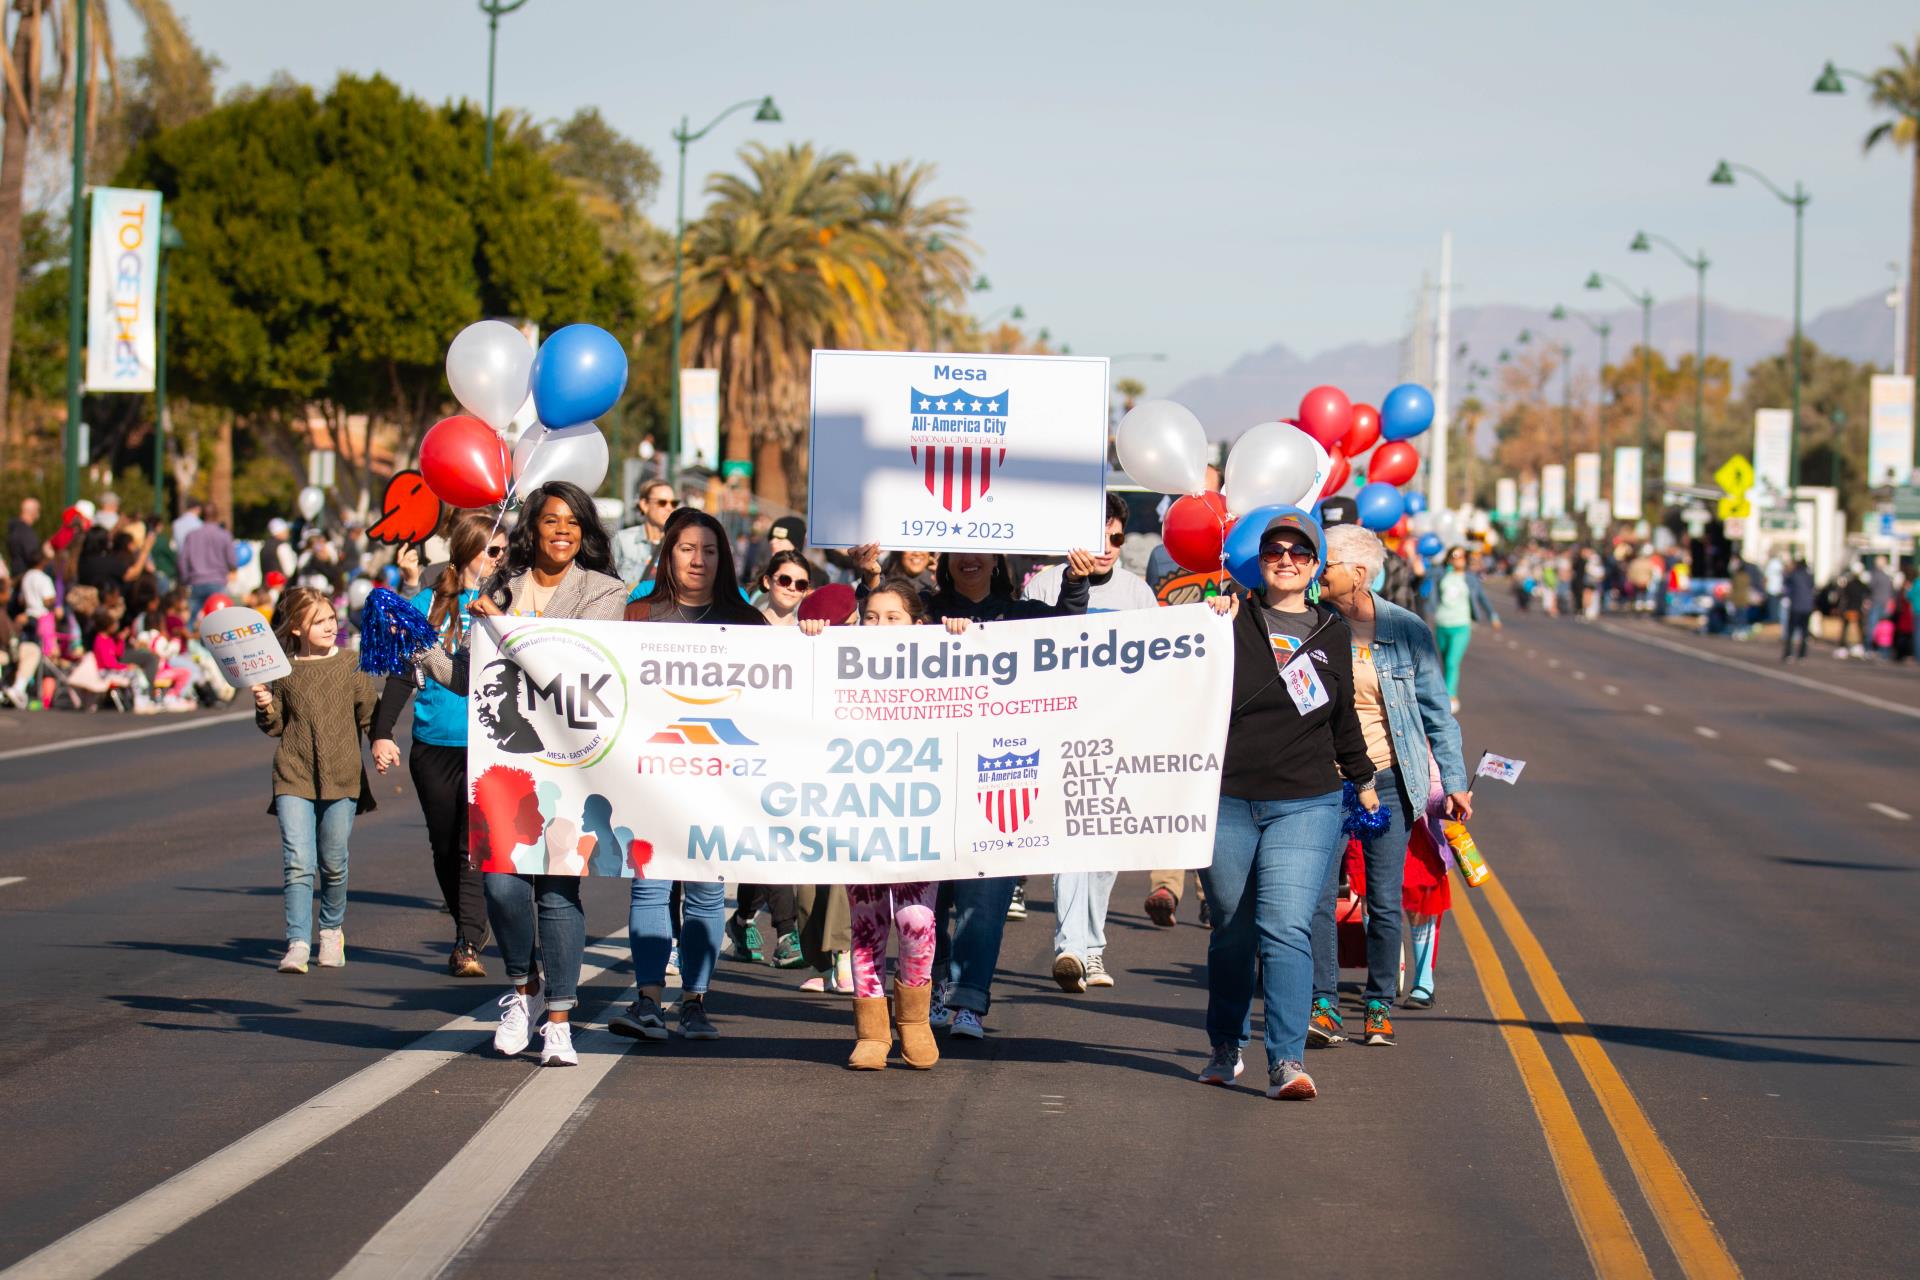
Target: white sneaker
{"x": 1456, "y": 706}
{"x": 333, "y": 948}
{"x": 1070, "y": 972}
{"x": 1097, "y": 975}
{"x": 556, "y": 1049}
{"x": 673, "y": 961}
{"x": 295, "y": 961}
{"x": 939, "y": 1016}
{"x": 966, "y": 1025}
{"x": 517, "y": 1015}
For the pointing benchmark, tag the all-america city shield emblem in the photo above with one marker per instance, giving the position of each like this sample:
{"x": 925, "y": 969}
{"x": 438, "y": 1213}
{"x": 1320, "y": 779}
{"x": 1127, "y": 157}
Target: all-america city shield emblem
{"x": 957, "y": 440}
{"x": 1006, "y": 792}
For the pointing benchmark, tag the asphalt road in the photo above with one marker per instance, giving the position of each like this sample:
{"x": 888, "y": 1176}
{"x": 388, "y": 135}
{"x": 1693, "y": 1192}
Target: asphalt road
{"x": 1679, "y": 1047}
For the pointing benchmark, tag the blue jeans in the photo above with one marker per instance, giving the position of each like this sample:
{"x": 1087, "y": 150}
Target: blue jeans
{"x": 313, "y": 834}
{"x": 1269, "y": 872}
{"x": 526, "y": 911}
{"x": 968, "y": 957}
{"x": 198, "y": 595}
{"x": 1386, "y": 857}
{"x": 1080, "y": 908}
{"x": 650, "y": 932}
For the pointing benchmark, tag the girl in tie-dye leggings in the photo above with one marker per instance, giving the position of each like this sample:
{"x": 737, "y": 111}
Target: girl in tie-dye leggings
{"x": 879, "y": 908}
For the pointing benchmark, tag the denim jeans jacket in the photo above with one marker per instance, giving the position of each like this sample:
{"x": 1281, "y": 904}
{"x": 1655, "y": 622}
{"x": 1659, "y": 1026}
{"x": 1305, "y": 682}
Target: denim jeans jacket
{"x": 1414, "y": 689}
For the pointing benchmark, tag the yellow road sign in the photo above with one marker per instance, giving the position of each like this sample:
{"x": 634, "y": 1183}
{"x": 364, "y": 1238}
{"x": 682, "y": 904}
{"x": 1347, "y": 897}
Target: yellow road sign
{"x": 1735, "y": 506}
{"x": 1735, "y": 476}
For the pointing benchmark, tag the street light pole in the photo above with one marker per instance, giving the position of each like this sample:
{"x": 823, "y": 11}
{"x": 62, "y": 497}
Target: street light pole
{"x": 1643, "y": 242}
{"x": 767, "y": 113}
{"x": 1723, "y": 177}
{"x": 1605, "y": 330}
{"x": 77, "y": 253}
{"x": 170, "y": 239}
{"x": 495, "y": 10}
{"x": 1596, "y": 280}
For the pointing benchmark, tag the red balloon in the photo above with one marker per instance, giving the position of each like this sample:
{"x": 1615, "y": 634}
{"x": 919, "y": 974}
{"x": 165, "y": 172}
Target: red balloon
{"x": 1394, "y": 462}
{"x": 1326, "y": 414}
{"x": 465, "y": 462}
{"x": 1195, "y": 530}
{"x": 1337, "y": 475}
{"x": 1364, "y": 433}
{"x": 1399, "y": 529}
{"x": 215, "y": 601}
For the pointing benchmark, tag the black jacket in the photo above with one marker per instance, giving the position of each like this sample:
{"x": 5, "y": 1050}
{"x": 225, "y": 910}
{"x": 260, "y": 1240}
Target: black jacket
{"x": 1001, "y": 608}
{"x": 1274, "y": 752}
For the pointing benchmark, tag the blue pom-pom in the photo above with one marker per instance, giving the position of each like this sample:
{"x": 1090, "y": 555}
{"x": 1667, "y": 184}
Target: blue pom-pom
{"x": 392, "y": 632}
{"x": 1357, "y": 821}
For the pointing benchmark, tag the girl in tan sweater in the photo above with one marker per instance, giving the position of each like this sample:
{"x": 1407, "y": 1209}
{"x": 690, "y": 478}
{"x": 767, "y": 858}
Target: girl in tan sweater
{"x": 319, "y": 713}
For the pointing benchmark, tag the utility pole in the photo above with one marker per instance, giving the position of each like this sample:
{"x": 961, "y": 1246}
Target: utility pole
{"x": 77, "y": 253}
{"x": 1442, "y": 378}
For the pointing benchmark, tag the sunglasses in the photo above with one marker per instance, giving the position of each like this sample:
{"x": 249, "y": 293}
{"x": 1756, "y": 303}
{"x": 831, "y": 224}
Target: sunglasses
{"x": 791, "y": 584}
{"x": 1287, "y": 551}
{"x": 1116, "y": 539}
{"x": 494, "y": 553}
{"x": 663, "y": 502}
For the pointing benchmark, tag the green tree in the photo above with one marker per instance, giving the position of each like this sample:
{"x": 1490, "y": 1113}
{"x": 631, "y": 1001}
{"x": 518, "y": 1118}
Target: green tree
{"x": 337, "y": 244}
{"x": 1896, "y": 87}
{"x": 1832, "y": 440}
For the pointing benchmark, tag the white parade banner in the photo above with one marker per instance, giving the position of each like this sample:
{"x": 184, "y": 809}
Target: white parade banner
{"x": 1553, "y": 491}
{"x": 700, "y": 418}
{"x": 1889, "y": 429}
{"x": 958, "y": 452}
{"x": 123, "y": 273}
{"x": 860, "y": 756}
{"x": 1506, "y": 496}
{"x": 1677, "y": 464}
{"x": 1772, "y": 448}
{"x": 1586, "y": 480}
{"x": 244, "y": 645}
{"x": 1627, "y": 497}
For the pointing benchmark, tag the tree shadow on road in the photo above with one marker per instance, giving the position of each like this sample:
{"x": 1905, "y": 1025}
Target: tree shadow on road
{"x": 264, "y": 952}
{"x": 360, "y": 897}
{"x": 1727, "y": 1046}
{"x": 1835, "y": 864}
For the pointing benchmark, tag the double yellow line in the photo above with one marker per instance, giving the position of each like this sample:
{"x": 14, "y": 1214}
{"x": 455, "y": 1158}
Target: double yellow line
{"x": 1604, "y": 1228}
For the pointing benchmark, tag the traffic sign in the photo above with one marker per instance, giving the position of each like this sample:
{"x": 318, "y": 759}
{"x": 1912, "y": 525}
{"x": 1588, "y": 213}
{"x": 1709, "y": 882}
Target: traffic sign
{"x": 1735, "y": 476}
{"x": 1735, "y": 506}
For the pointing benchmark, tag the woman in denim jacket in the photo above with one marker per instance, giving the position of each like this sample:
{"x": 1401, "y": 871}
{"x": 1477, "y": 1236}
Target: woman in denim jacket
{"x": 1400, "y": 692}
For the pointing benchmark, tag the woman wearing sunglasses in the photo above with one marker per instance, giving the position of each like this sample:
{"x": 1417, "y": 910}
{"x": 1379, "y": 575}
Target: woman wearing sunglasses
{"x": 1292, "y": 735}
{"x": 437, "y": 759}
{"x": 783, "y": 586}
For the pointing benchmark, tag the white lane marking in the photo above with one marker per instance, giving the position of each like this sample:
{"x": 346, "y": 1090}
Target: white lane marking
{"x": 1785, "y": 677}
{"x": 1706, "y": 732}
{"x": 118, "y": 1234}
{"x": 1553, "y": 662}
{"x": 1610, "y": 688}
{"x": 1579, "y": 675}
{"x": 1889, "y": 811}
{"x": 7, "y": 880}
{"x": 1781, "y": 766}
{"x": 1653, "y": 710}
{"x": 418, "y": 1242}
{"x": 19, "y": 753}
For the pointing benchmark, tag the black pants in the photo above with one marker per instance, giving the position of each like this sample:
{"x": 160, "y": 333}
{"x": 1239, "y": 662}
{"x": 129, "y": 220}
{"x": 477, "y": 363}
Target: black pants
{"x": 440, "y": 776}
{"x": 778, "y": 901}
{"x": 1797, "y": 624}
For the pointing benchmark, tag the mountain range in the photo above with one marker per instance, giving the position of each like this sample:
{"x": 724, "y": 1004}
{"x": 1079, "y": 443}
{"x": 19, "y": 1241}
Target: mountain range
{"x": 1268, "y": 384}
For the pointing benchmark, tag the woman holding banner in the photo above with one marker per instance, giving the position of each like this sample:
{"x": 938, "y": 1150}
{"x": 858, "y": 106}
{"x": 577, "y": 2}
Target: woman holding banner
{"x": 694, "y": 582}
{"x": 558, "y": 565}
{"x": 977, "y": 586}
{"x": 1293, "y": 721}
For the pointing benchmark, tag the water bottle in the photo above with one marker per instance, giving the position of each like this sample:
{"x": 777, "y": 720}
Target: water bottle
{"x": 1466, "y": 853}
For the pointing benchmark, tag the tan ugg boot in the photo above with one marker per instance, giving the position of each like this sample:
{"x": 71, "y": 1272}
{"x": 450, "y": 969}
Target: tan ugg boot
{"x": 917, "y": 1045}
{"x": 875, "y": 1041}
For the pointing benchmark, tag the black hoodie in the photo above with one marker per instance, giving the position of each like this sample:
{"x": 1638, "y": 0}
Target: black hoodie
{"x": 1274, "y": 752}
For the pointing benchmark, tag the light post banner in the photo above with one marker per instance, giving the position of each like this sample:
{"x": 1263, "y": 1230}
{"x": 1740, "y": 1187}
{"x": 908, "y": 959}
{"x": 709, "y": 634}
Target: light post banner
{"x": 859, "y": 756}
{"x": 1890, "y": 429}
{"x": 700, "y": 418}
{"x": 1553, "y": 491}
{"x": 1772, "y": 447}
{"x": 1627, "y": 498}
{"x": 123, "y": 273}
{"x": 1677, "y": 466}
{"x": 1530, "y": 500}
{"x": 1506, "y": 496}
{"x": 1586, "y": 481}
{"x": 958, "y": 452}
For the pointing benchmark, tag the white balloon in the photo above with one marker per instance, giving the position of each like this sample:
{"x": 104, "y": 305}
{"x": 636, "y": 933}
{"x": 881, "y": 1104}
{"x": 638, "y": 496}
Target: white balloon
{"x": 489, "y": 367}
{"x": 1163, "y": 447}
{"x": 313, "y": 500}
{"x": 1273, "y": 464}
{"x": 577, "y": 454}
{"x": 357, "y": 592}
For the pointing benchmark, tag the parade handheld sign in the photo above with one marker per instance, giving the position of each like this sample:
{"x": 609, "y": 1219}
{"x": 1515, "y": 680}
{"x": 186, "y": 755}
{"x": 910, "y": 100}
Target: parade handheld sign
{"x": 244, "y": 646}
{"x": 1501, "y": 768}
{"x": 958, "y": 452}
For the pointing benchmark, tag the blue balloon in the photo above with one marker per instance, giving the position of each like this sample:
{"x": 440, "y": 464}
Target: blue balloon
{"x": 1381, "y": 506}
{"x": 578, "y": 375}
{"x": 242, "y": 554}
{"x": 1416, "y": 503}
{"x": 1242, "y": 549}
{"x": 1430, "y": 545}
{"x": 1406, "y": 412}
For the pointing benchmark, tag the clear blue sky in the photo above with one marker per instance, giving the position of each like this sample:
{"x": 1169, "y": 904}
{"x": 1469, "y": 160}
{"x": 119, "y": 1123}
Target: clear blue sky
{"x": 1208, "y": 179}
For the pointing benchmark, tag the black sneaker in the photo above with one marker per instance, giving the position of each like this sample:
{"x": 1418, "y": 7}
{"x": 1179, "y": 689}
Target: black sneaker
{"x": 745, "y": 936}
{"x": 787, "y": 953}
{"x": 641, "y": 1020}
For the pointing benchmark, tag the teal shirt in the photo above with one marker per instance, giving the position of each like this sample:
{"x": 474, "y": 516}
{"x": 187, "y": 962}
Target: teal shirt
{"x": 440, "y": 714}
{"x": 1454, "y": 605}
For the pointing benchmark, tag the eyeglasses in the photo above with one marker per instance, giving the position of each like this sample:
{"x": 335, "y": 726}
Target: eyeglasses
{"x": 663, "y": 502}
{"x": 1287, "y": 551}
{"x": 494, "y": 553}
{"x": 791, "y": 584}
{"x": 1116, "y": 539}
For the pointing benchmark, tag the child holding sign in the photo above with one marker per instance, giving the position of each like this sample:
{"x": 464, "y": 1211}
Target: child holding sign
{"x": 318, "y": 712}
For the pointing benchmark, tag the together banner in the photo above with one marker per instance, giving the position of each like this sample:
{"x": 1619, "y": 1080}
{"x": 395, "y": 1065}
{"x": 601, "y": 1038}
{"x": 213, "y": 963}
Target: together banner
{"x": 864, "y": 755}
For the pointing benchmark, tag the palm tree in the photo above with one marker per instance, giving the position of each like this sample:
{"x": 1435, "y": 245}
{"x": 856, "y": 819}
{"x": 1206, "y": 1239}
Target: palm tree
{"x": 1897, "y": 88}
{"x": 928, "y": 260}
{"x": 40, "y": 25}
{"x": 1130, "y": 389}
